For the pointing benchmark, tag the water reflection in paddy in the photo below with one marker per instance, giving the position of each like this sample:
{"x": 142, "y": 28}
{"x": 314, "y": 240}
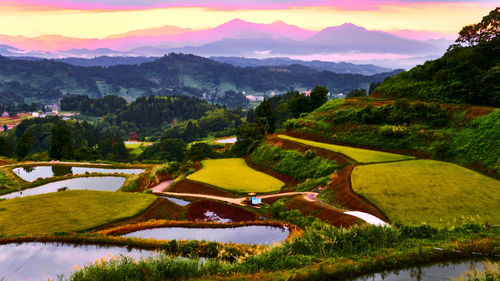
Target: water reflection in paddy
{"x": 30, "y": 174}
{"x": 439, "y": 271}
{"x": 252, "y": 234}
{"x": 38, "y": 261}
{"x": 91, "y": 183}
{"x": 177, "y": 201}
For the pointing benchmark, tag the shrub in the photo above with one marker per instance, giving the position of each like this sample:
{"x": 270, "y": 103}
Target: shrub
{"x": 293, "y": 163}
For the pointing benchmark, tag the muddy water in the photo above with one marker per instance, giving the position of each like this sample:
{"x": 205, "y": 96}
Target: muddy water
{"x": 438, "y": 271}
{"x": 38, "y": 261}
{"x": 90, "y": 183}
{"x": 32, "y": 173}
{"x": 252, "y": 234}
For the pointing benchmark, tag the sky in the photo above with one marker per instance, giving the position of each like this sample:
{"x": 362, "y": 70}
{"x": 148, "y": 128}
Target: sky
{"x": 102, "y": 18}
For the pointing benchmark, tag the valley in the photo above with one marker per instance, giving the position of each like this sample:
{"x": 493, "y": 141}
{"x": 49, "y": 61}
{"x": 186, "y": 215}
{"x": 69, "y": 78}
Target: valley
{"x": 181, "y": 167}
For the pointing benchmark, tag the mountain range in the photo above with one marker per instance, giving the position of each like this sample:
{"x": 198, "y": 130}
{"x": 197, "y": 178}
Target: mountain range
{"x": 234, "y": 38}
{"x": 47, "y": 81}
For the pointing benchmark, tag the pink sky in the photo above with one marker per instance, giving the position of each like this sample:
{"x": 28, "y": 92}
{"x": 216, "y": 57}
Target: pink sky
{"x": 98, "y": 20}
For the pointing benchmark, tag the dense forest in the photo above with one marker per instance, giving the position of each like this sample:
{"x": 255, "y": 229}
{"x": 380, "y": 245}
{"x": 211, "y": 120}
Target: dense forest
{"x": 47, "y": 81}
{"x": 465, "y": 74}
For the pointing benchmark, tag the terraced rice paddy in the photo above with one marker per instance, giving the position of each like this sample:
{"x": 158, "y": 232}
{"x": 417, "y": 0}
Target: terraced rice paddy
{"x": 48, "y": 260}
{"x": 30, "y": 174}
{"x": 251, "y": 234}
{"x": 87, "y": 183}
{"x": 234, "y": 174}
{"x": 434, "y": 192}
{"x": 69, "y": 211}
{"x": 357, "y": 154}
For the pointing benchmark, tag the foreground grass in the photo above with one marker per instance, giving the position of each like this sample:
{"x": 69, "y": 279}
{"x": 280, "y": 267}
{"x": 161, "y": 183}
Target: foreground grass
{"x": 234, "y": 174}
{"x": 357, "y": 154}
{"x": 322, "y": 253}
{"x": 437, "y": 193}
{"x": 68, "y": 211}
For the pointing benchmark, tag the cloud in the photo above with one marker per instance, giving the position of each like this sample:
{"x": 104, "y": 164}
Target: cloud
{"x": 120, "y": 5}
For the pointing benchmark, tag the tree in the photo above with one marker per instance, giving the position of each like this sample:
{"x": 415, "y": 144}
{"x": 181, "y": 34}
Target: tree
{"x": 166, "y": 149}
{"x": 5, "y": 146}
{"x": 318, "y": 96}
{"x": 264, "y": 116}
{"x": 248, "y": 135}
{"x": 113, "y": 150}
{"x": 299, "y": 104}
{"x": 198, "y": 151}
{"x": 485, "y": 31}
{"x": 5, "y": 127}
{"x": 61, "y": 142}
{"x": 24, "y": 144}
{"x": 356, "y": 93}
{"x": 133, "y": 136}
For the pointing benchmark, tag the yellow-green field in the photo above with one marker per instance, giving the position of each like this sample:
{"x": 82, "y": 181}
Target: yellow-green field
{"x": 234, "y": 174}
{"x": 137, "y": 148}
{"x": 412, "y": 192}
{"x": 68, "y": 211}
{"x": 357, "y": 154}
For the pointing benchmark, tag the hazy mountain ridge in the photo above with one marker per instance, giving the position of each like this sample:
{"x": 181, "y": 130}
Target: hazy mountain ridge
{"x": 337, "y": 67}
{"x": 234, "y": 38}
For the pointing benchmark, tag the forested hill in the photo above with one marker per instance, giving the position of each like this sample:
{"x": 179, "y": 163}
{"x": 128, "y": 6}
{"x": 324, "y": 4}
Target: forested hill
{"x": 463, "y": 75}
{"x": 47, "y": 81}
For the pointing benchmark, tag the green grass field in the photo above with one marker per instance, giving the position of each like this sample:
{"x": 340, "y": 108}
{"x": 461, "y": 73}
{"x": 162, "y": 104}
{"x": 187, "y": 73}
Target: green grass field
{"x": 68, "y": 211}
{"x": 234, "y": 174}
{"x": 136, "y": 148}
{"x": 6, "y": 182}
{"x": 438, "y": 193}
{"x": 357, "y": 154}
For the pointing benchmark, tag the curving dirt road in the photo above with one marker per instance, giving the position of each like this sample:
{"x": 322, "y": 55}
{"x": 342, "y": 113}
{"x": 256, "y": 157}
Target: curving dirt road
{"x": 308, "y": 196}
{"x": 237, "y": 201}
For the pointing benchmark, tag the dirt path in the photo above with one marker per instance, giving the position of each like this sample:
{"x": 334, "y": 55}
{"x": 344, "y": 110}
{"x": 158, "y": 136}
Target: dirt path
{"x": 236, "y": 201}
{"x": 308, "y": 196}
{"x": 162, "y": 186}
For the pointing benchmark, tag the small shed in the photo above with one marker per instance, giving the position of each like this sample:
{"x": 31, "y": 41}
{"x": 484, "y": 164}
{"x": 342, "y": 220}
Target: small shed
{"x": 255, "y": 200}
{"x": 252, "y": 199}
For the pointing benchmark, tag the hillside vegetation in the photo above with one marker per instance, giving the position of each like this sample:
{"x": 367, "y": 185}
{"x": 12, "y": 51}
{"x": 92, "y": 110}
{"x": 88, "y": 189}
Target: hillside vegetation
{"x": 466, "y": 135}
{"x": 47, "y": 81}
{"x": 463, "y": 75}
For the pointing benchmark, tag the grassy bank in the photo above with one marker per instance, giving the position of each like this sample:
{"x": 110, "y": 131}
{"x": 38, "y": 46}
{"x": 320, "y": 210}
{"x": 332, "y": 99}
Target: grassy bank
{"x": 357, "y": 154}
{"x": 69, "y": 211}
{"x": 234, "y": 174}
{"x": 438, "y": 193}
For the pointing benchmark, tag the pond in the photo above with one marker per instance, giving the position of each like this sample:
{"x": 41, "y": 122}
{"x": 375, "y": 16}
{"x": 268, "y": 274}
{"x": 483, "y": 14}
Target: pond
{"x": 39, "y": 261}
{"x": 177, "y": 201}
{"x": 438, "y": 271}
{"x": 228, "y": 140}
{"x": 252, "y": 234}
{"x": 30, "y": 174}
{"x": 109, "y": 183}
